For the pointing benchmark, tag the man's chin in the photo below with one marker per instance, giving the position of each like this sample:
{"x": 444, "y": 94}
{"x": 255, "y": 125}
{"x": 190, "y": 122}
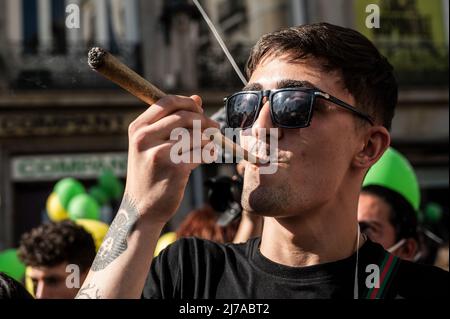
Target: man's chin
{"x": 270, "y": 201}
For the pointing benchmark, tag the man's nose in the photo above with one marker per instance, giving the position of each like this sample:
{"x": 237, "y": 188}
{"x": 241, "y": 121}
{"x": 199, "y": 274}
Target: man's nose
{"x": 263, "y": 124}
{"x": 41, "y": 291}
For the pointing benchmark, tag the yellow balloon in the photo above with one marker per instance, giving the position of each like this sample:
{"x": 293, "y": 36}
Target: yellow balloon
{"x": 28, "y": 282}
{"x": 164, "y": 241}
{"x": 55, "y": 210}
{"x": 96, "y": 228}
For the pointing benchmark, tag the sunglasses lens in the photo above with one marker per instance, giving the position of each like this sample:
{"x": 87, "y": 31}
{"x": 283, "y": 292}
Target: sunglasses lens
{"x": 241, "y": 110}
{"x": 292, "y": 108}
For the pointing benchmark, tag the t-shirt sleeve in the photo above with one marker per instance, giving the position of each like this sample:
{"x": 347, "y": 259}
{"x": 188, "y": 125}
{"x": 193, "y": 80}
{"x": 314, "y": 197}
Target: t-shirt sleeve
{"x": 189, "y": 268}
{"x": 162, "y": 278}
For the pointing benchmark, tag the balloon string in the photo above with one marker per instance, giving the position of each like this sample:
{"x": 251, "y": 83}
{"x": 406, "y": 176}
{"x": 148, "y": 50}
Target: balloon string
{"x": 221, "y": 43}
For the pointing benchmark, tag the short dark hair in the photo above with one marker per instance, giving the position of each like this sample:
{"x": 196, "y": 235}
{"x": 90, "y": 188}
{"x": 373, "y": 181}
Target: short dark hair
{"x": 12, "y": 289}
{"x": 53, "y": 243}
{"x": 402, "y": 215}
{"x": 366, "y": 74}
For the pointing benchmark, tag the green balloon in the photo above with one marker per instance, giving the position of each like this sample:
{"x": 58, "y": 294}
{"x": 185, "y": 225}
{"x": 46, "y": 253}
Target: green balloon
{"x": 111, "y": 185}
{"x": 68, "y": 188}
{"x": 99, "y": 195}
{"x": 394, "y": 172}
{"x": 83, "y": 206}
{"x": 11, "y": 265}
{"x": 433, "y": 212}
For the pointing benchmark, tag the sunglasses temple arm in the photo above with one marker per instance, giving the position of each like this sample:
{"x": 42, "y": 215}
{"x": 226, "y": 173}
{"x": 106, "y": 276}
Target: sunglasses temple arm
{"x": 349, "y": 107}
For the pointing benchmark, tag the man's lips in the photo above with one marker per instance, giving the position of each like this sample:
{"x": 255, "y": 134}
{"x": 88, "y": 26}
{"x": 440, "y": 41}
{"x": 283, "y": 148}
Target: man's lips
{"x": 272, "y": 160}
{"x": 264, "y": 151}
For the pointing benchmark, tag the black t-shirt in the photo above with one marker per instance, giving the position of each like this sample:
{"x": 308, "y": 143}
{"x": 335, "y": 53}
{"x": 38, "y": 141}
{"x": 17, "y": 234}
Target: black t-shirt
{"x": 12, "y": 289}
{"x": 193, "y": 268}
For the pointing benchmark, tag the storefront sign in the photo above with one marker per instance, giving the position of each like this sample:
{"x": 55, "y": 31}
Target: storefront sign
{"x": 55, "y": 167}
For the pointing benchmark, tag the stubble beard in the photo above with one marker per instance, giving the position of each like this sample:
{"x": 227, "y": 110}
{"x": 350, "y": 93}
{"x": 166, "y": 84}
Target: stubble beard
{"x": 266, "y": 200}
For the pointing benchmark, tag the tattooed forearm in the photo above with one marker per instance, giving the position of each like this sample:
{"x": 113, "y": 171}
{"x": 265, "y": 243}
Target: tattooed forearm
{"x": 89, "y": 292}
{"x": 115, "y": 242}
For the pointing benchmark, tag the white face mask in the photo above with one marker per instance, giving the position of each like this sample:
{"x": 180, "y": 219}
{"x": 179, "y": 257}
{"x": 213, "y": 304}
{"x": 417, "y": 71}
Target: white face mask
{"x": 396, "y": 246}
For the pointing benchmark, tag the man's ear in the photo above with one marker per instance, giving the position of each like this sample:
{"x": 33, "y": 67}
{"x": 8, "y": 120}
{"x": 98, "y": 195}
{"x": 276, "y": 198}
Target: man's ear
{"x": 376, "y": 141}
{"x": 408, "y": 250}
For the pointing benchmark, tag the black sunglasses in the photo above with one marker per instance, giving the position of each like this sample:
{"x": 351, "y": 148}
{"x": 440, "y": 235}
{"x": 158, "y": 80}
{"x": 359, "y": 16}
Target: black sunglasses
{"x": 289, "y": 107}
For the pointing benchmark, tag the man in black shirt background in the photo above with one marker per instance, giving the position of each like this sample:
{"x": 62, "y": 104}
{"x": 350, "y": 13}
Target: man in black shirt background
{"x": 332, "y": 101}
{"x": 388, "y": 206}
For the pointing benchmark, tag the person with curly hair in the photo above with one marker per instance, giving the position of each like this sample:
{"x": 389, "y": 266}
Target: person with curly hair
{"x": 48, "y": 250}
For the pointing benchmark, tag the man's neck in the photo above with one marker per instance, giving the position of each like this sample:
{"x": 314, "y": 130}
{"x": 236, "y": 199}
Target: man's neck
{"x": 322, "y": 236}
